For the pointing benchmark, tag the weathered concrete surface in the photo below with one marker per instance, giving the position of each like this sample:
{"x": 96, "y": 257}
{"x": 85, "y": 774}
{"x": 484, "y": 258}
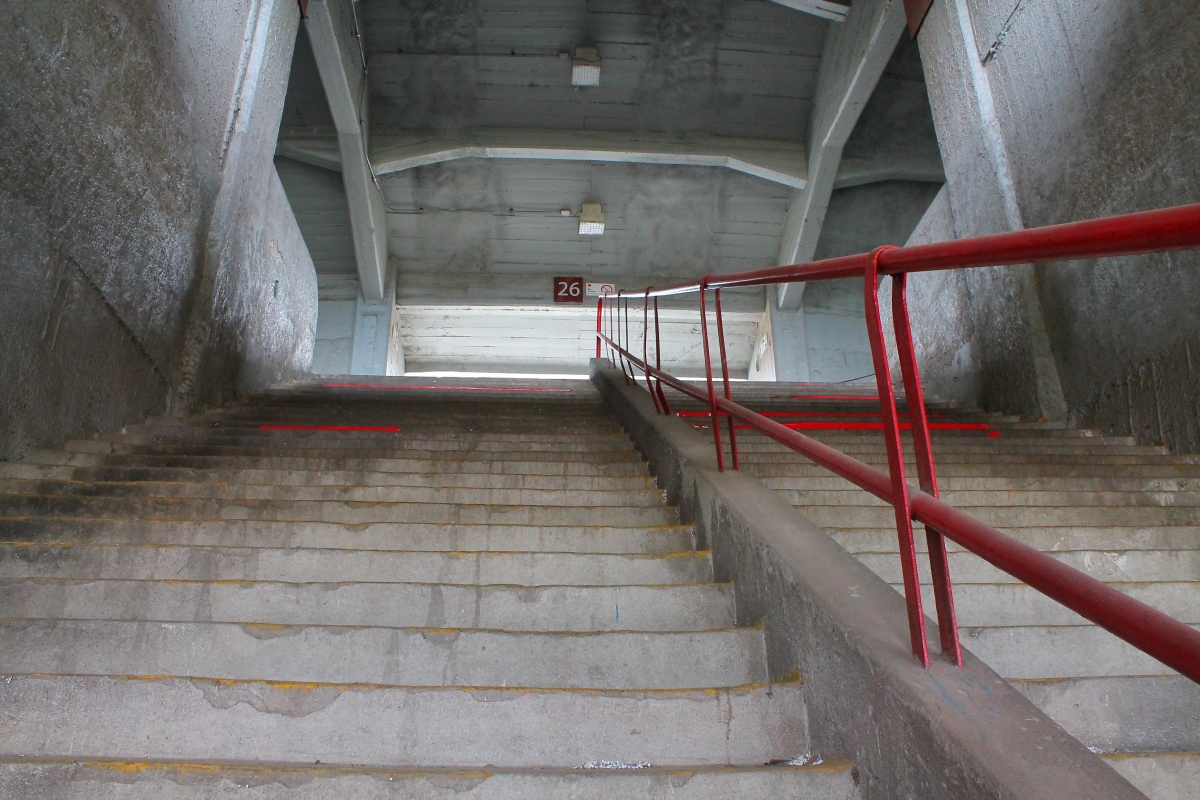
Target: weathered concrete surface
{"x": 369, "y": 725}
{"x": 1095, "y": 108}
{"x": 233, "y": 345}
{"x": 830, "y": 780}
{"x": 940, "y": 732}
{"x": 117, "y": 119}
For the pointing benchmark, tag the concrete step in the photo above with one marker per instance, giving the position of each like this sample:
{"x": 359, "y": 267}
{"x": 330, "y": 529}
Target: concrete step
{"x": 379, "y": 655}
{"x": 663, "y": 539}
{"x": 981, "y": 447}
{"x": 831, "y": 482}
{"x": 1162, "y": 776}
{"x": 172, "y": 780}
{"x": 190, "y": 719}
{"x": 215, "y": 489}
{"x": 753, "y": 459}
{"x": 801, "y": 469}
{"x": 857, "y": 516}
{"x": 279, "y": 477}
{"x": 349, "y": 513}
{"x": 696, "y": 607}
{"x": 1012, "y": 604}
{"x": 550, "y": 453}
{"x": 302, "y": 565}
{"x": 1125, "y": 566}
{"x": 609, "y": 437}
{"x": 465, "y": 464}
{"x": 1123, "y": 714}
{"x": 1041, "y": 652}
{"x": 387, "y": 442}
{"x": 1047, "y": 538}
{"x": 971, "y": 499}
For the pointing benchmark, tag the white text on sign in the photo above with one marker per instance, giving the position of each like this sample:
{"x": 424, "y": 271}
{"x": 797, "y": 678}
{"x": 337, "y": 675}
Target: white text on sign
{"x": 568, "y": 290}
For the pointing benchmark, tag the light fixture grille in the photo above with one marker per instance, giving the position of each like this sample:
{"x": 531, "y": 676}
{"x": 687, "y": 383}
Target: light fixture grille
{"x": 585, "y": 67}
{"x": 591, "y": 228}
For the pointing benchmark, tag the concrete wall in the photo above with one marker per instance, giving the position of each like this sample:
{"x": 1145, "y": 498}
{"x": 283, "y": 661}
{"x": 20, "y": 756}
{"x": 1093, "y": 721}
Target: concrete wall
{"x": 118, "y": 135}
{"x": 1094, "y": 109}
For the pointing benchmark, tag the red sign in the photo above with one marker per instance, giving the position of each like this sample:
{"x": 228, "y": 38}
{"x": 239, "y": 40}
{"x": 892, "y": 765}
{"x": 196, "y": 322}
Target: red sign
{"x": 568, "y": 290}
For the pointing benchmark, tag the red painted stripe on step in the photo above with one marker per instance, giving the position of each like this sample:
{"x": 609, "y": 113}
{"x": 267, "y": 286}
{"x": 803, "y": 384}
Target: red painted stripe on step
{"x": 873, "y": 426}
{"x": 454, "y": 388}
{"x": 376, "y": 428}
{"x": 792, "y": 414}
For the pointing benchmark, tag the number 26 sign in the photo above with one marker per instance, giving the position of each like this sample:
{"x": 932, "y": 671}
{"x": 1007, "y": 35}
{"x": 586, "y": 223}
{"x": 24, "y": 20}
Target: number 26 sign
{"x": 568, "y": 290}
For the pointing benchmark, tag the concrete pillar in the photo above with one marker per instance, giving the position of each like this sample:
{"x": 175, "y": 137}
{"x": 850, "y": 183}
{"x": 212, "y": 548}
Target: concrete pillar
{"x": 1017, "y": 368}
{"x": 790, "y": 341}
{"x": 377, "y": 348}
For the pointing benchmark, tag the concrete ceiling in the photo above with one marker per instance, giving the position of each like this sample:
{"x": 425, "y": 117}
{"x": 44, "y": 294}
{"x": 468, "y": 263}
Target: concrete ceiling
{"x": 467, "y": 231}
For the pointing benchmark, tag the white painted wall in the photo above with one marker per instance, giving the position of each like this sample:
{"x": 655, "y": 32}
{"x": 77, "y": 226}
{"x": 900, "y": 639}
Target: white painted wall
{"x": 555, "y": 340}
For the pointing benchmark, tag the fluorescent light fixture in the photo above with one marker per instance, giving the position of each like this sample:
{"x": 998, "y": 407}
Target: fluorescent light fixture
{"x": 591, "y": 220}
{"x": 585, "y": 67}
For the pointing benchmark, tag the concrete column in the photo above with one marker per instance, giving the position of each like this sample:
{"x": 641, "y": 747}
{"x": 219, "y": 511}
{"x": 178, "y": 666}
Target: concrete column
{"x": 1018, "y": 371}
{"x": 377, "y": 348}
{"x": 790, "y": 342}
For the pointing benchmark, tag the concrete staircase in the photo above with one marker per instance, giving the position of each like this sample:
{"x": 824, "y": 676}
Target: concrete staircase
{"x": 1124, "y": 513}
{"x": 491, "y": 602}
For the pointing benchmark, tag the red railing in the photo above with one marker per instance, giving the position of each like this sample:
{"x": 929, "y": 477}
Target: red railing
{"x": 1151, "y": 631}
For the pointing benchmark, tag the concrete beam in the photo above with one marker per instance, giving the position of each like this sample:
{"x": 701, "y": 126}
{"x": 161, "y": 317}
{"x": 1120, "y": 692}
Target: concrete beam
{"x": 331, "y": 29}
{"x": 776, "y": 161}
{"x": 825, "y": 9}
{"x": 855, "y": 56}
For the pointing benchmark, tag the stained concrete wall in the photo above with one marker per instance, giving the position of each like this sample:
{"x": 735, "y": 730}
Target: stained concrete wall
{"x": 1095, "y": 109}
{"x": 117, "y": 121}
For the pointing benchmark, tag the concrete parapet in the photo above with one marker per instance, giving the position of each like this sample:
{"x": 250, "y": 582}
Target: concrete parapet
{"x": 911, "y": 732}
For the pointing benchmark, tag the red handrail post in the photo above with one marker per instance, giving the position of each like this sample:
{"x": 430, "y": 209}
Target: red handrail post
{"x": 895, "y": 457}
{"x": 599, "y": 317}
{"x": 662, "y": 396}
{"x": 733, "y": 449}
{"x": 712, "y": 394}
{"x": 939, "y": 563}
{"x": 645, "y": 347}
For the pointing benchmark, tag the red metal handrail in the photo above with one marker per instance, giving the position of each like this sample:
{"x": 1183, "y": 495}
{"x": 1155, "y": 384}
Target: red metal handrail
{"x": 1151, "y": 631}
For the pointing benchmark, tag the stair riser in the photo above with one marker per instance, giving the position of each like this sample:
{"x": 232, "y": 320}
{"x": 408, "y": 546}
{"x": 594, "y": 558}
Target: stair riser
{"x": 351, "y": 494}
{"x": 1134, "y": 714}
{"x": 304, "y": 478}
{"x": 1058, "y": 652}
{"x": 333, "y": 566}
{"x": 378, "y": 536}
{"x": 1017, "y": 516}
{"x": 1125, "y": 566}
{"x": 550, "y": 608}
{"x": 968, "y": 500}
{"x": 393, "y": 656}
{"x": 343, "y": 513}
{"x": 188, "y": 719}
{"x": 1001, "y": 605}
{"x": 464, "y": 465}
{"x": 140, "y": 781}
{"x": 948, "y": 485}
{"x": 1049, "y": 538}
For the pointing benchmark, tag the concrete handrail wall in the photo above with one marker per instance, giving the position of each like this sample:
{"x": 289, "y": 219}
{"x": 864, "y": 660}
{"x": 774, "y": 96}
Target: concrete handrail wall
{"x": 941, "y": 731}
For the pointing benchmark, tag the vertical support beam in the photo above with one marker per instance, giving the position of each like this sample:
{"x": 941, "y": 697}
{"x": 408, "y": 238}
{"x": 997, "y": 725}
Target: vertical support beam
{"x": 331, "y": 28}
{"x": 377, "y": 349}
{"x": 855, "y": 55}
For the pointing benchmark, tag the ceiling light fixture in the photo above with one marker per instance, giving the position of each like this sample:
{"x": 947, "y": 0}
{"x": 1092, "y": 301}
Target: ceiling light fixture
{"x": 591, "y": 220}
{"x": 585, "y": 67}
